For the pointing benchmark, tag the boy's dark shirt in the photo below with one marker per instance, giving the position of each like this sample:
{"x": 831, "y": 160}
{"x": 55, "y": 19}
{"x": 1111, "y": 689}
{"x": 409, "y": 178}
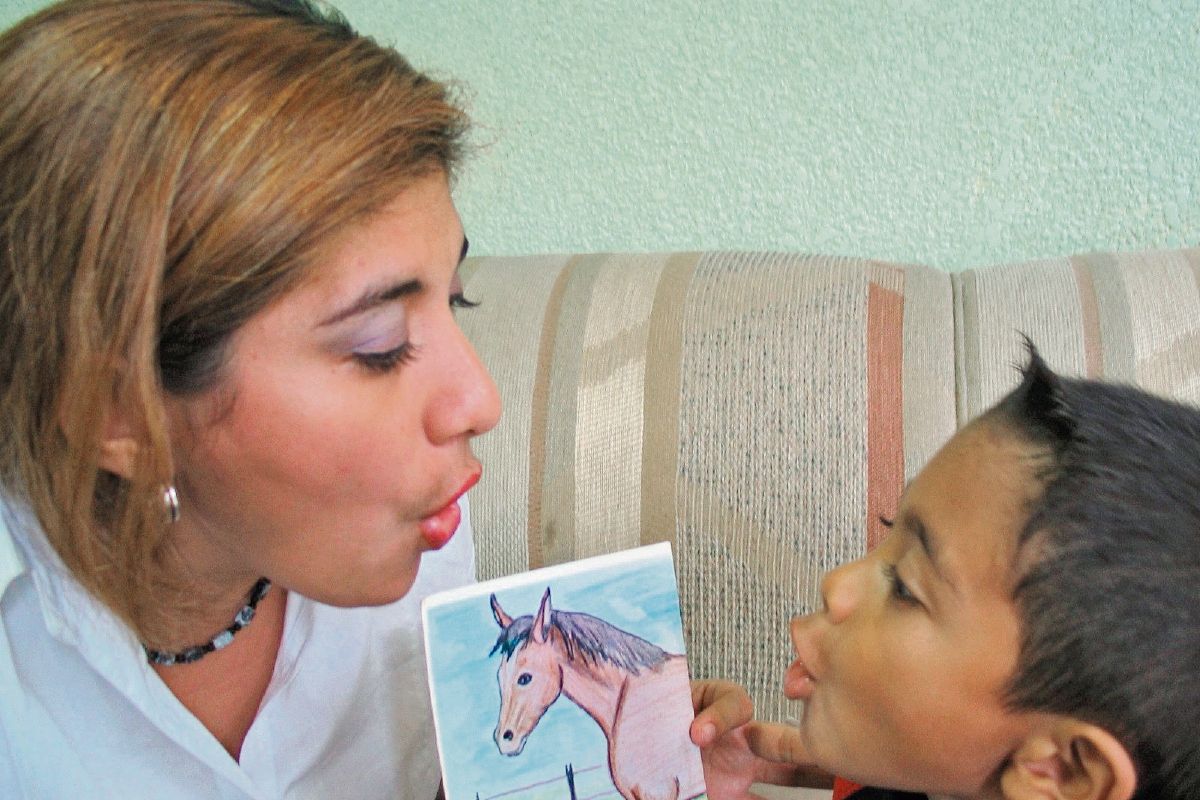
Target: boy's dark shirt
{"x": 870, "y": 793}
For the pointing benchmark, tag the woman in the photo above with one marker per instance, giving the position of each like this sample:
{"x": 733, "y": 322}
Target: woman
{"x": 231, "y": 379}
{"x": 237, "y": 408}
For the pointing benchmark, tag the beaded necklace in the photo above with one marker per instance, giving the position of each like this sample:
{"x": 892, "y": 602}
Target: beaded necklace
{"x": 222, "y": 639}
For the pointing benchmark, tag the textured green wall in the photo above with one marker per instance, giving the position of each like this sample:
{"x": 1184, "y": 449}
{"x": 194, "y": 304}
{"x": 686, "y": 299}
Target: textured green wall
{"x": 949, "y": 133}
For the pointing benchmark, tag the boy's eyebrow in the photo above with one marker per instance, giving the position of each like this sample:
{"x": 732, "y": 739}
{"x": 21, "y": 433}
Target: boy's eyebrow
{"x": 916, "y": 526}
{"x": 373, "y": 298}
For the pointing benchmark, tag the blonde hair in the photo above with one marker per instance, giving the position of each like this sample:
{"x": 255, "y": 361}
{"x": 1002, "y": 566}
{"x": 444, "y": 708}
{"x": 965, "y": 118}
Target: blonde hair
{"x": 167, "y": 169}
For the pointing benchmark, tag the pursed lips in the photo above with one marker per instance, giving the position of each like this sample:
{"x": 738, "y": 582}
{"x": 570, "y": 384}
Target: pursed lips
{"x": 437, "y": 528}
{"x": 799, "y": 682}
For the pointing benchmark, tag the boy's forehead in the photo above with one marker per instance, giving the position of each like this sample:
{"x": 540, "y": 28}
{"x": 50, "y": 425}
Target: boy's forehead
{"x": 968, "y": 506}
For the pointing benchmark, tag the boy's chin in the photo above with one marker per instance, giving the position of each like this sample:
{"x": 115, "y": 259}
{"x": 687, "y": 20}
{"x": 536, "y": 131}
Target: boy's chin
{"x": 870, "y": 768}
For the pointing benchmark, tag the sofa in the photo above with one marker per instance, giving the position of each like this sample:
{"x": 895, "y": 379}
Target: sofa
{"x": 760, "y": 411}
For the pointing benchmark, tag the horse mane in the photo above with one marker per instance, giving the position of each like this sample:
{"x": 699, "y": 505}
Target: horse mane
{"x": 591, "y": 637}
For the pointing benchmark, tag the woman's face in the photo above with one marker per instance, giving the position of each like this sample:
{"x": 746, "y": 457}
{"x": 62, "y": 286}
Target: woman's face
{"x": 330, "y": 456}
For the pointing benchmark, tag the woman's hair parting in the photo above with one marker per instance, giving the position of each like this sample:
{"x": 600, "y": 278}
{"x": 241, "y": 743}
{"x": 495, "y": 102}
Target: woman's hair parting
{"x": 1110, "y": 592}
{"x": 168, "y": 168}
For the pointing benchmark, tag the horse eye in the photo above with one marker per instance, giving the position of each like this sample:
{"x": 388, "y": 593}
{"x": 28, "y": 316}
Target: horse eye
{"x": 524, "y": 679}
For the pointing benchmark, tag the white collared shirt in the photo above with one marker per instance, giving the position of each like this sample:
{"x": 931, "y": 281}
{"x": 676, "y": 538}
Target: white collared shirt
{"x": 83, "y": 715}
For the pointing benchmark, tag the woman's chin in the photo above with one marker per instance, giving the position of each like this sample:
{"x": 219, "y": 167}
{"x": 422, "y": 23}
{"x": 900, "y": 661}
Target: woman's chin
{"x": 384, "y": 590}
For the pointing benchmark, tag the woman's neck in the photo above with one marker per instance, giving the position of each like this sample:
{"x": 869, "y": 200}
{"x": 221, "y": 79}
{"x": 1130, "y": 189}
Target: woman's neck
{"x": 217, "y": 582}
{"x": 225, "y": 688}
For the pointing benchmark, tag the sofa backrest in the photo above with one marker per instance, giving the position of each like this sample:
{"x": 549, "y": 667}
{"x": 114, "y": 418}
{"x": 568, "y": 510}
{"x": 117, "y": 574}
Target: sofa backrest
{"x": 761, "y": 411}
{"x": 1125, "y": 317}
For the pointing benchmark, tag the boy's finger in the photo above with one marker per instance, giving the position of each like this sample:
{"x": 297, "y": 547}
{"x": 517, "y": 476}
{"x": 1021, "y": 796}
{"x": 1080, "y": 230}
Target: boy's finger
{"x": 720, "y": 707}
{"x": 775, "y": 742}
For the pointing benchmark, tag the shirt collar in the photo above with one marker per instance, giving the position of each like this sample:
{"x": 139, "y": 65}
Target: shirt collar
{"x": 66, "y": 605}
{"x": 12, "y": 563}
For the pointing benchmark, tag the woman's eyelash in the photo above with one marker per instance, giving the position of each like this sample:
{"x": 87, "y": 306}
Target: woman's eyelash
{"x": 899, "y": 590}
{"x": 887, "y": 523}
{"x": 405, "y": 353}
{"x": 389, "y": 359}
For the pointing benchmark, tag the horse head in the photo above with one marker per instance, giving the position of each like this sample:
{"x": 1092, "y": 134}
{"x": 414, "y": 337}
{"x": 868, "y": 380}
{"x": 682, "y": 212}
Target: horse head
{"x": 530, "y": 675}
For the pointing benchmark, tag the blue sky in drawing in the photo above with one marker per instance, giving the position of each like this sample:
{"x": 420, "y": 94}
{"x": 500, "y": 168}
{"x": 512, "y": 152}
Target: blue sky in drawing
{"x": 637, "y": 596}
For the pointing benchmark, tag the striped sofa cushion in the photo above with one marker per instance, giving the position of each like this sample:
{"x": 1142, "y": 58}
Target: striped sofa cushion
{"x": 759, "y": 411}
{"x": 1127, "y": 317}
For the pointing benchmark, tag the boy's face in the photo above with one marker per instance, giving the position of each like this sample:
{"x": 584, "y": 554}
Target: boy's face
{"x": 902, "y": 673}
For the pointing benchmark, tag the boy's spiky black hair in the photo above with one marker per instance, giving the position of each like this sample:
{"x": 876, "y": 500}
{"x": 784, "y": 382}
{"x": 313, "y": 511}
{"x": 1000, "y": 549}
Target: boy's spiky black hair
{"x": 1110, "y": 599}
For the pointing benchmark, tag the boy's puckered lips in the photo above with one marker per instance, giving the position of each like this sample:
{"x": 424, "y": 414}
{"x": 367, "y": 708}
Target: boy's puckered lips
{"x": 798, "y": 682}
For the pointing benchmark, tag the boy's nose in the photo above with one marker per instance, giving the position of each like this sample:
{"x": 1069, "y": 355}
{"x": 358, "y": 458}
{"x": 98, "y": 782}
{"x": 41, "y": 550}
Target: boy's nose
{"x": 839, "y": 592}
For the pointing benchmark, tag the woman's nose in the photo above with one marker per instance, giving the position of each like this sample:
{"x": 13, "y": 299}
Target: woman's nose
{"x": 468, "y": 402}
{"x": 840, "y": 591}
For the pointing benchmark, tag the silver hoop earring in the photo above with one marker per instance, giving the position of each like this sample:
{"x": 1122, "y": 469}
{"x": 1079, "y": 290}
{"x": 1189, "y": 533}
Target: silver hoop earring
{"x": 171, "y": 503}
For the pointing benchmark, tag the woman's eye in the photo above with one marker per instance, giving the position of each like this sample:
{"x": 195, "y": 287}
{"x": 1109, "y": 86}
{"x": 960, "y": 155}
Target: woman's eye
{"x": 387, "y": 360}
{"x": 459, "y": 300}
{"x": 899, "y": 589}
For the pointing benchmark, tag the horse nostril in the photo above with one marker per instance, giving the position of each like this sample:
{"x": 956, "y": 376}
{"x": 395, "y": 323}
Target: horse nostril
{"x": 508, "y": 736}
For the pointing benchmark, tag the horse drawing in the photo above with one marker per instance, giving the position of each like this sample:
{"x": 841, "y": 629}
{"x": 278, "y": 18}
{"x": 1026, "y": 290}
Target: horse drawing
{"x": 636, "y": 692}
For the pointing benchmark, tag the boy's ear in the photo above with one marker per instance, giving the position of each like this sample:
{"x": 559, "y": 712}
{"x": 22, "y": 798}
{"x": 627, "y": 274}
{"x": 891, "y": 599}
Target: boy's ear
{"x": 1069, "y": 760}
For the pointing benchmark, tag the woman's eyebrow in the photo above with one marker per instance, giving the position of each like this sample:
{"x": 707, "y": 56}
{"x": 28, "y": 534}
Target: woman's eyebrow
{"x": 373, "y": 298}
{"x": 465, "y": 247}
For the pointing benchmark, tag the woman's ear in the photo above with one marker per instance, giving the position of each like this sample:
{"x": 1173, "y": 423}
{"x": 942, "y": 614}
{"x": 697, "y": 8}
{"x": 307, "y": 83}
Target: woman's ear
{"x": 1069, "y": 760}
{"x": 119, "y": 447}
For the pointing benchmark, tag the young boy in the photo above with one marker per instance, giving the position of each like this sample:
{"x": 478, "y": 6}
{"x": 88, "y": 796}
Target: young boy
{"x": 1030, "y": 629}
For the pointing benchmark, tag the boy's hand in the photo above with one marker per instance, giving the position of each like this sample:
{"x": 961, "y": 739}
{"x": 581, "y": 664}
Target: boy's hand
{"x": 738, "y": 752}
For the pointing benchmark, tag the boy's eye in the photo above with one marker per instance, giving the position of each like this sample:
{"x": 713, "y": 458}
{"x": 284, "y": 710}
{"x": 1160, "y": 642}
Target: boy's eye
{"x": 899, "y": 590}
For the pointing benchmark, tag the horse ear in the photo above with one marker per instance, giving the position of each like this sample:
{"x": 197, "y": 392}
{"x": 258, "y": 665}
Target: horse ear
{"x": 541, "y": 624}
{"x": 502, "y": 619}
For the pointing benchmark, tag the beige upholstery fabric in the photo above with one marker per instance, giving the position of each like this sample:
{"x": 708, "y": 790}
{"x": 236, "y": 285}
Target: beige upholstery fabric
{"x": 1128, "y": 317}
{"x": 760, "y": 411}
{"x": 757, "y": 410}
